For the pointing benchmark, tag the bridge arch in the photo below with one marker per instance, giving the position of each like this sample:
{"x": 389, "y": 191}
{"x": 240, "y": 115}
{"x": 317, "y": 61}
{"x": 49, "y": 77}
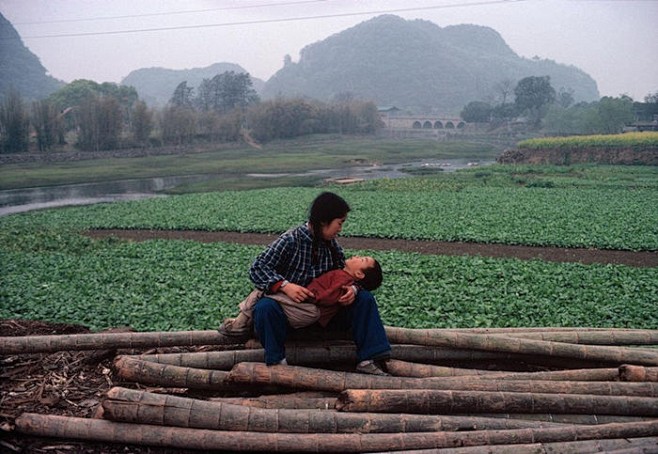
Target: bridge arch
{"x": 438, "y": 125}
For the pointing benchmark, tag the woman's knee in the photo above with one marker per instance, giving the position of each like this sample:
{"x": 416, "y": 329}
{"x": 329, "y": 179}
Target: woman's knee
{"x": 267, "y": 308}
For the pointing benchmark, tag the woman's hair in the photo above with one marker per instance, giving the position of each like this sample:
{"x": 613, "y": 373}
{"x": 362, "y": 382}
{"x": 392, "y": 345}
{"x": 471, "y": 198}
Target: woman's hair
{"x": 372, "y": 277}
{"x": 325, "y": 208}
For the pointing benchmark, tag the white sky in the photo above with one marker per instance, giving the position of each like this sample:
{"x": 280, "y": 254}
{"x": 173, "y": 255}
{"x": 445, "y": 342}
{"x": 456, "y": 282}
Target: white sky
{"x": 614, "y": 41}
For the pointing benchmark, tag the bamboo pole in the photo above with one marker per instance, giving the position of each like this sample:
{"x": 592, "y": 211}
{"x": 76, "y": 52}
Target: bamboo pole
{"x": 609, "y": 446}
{"x": 408, "y": 369}
{"x": 565, "y": 418}
{"x": 505, "y": 343}
{"x": 136, "y": 370}
{"x": 635, "y": 337}
{"x": 298, "y": 377}
{"x": 99, "y": 341}
{"x": 125, "y": 405}
{"x": 305, "y": 400}
{"x": 628, "y": 372}
{"x": 426, "y": 401}
{"x": 202, "y": 439}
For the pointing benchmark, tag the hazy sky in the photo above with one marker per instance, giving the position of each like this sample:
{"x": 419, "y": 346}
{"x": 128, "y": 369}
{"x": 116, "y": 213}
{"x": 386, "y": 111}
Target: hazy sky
{"x": 614, "y": 41}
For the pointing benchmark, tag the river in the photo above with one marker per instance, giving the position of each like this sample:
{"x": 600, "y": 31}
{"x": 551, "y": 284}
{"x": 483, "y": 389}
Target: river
{"x": 28, "y": 199}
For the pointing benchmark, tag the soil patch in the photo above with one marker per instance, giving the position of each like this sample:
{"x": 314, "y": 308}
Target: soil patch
{"x": 552, "y": 254}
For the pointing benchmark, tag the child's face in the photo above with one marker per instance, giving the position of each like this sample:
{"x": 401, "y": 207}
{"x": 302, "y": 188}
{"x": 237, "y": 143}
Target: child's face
{"x": 357, "y": 265}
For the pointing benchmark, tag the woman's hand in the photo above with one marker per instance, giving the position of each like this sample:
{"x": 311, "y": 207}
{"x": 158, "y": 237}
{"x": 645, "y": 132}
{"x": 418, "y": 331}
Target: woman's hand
{"x": 348, "y": 296}
{"x": 297, "y": 293}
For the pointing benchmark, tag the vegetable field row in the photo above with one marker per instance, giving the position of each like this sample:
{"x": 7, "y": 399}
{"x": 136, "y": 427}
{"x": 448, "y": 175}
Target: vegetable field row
{"x": 180, "y": 285}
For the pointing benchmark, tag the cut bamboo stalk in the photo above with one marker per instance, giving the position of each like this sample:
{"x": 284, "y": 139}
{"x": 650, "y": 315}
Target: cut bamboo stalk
{"x": 135, "y": 370}
{"x": 503, "y": 343}
{"x": 427, "y": 401}
{"x": 565, "y": 418}
{"x": 628, "y": 372}
{"x": 298, "y": 377}
{"x": 224, "y": 360}
{"x": 208, "y": 440}
{"x": 635, "y": 337}
{"x": 100, "y": 341}
{"x": 125, "y": 405}
{"x": 307, "y": 400}
{"x": 609, "y": 446}
{"x": 408, "y": 369}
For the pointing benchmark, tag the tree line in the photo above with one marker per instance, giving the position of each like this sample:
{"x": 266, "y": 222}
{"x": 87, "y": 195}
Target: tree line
{"x": 225, "y": 108}
{"x": 541, "y": 107}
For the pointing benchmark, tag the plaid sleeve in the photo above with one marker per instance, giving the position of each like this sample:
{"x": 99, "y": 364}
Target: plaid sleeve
{"x": 263, "y": 272}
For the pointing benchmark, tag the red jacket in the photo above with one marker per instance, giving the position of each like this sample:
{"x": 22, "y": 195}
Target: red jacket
{"x": 327, "y": 288}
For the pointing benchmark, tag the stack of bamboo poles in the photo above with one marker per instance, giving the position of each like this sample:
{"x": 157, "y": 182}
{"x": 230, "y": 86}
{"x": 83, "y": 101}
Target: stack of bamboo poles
{"x": 543, "y": 390}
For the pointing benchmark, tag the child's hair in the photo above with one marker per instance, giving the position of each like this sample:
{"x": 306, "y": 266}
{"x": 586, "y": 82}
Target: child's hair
{"x": 372, "y": 277}
{"x": 325, "y": 208}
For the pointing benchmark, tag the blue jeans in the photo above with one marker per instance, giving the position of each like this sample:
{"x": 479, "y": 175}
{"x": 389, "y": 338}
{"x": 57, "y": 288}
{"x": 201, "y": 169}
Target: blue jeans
{"x": 362, "y": 317}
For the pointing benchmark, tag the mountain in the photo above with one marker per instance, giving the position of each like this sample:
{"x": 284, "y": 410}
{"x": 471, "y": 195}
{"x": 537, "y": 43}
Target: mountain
{"x": 20, "y": 69}
{"x": 417, "y": 65}
{"x": 156, "y": 85}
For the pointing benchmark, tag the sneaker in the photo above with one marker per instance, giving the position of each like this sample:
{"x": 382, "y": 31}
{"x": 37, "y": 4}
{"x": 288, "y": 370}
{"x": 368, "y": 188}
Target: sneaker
{"x": 227, "y": 329}
{"x": 369, "y": 367}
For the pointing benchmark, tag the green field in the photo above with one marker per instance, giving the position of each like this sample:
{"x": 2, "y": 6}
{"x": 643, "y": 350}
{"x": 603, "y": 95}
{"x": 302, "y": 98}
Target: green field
{"x": 49, "y": 271}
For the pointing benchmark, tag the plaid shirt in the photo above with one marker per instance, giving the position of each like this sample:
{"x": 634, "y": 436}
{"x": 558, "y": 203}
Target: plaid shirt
{"x": 289, "y": 258}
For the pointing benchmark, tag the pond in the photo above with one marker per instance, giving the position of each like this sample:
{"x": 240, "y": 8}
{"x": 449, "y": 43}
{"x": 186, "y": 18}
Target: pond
{"x": 27, "y": 199}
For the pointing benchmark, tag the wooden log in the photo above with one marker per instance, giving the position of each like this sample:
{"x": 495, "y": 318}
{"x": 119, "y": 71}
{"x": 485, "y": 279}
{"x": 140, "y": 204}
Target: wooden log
{"x": 225, "y": 360}
{"x": 222, "y": 360}
{"x": 125, "y": 405}
{"x": 408, "y": 369}
{"x": 208, "y": 440}
{"x": 427, "y": 401}
{"x": 609, "y": 446}
{"x": 305, "y": 400}
{"x": 509, "y": 344}
{"x": 298, "y": 377}
{"x": 138, "y": 371}
{"x": 565, "y": 418}
{"x": 628, "y": 372}
{"x": 611, "y": 337}
{"x": 100, "y": 341}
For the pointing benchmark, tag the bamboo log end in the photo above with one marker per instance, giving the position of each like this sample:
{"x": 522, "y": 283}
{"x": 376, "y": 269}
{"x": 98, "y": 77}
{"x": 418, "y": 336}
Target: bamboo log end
{"x": 629, "y": 372}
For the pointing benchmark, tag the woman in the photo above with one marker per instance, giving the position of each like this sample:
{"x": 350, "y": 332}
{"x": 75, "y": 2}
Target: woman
{"x": 291, "y": 262}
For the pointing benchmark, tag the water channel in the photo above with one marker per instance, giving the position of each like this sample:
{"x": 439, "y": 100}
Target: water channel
{"x": 28, "y": 199}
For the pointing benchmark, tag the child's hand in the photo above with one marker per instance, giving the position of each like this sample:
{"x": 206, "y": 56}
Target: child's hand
{"x": 348, "y": 296}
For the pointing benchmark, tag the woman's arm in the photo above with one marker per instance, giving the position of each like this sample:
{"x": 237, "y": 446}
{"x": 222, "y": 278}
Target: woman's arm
{"x": 263, "y": 272}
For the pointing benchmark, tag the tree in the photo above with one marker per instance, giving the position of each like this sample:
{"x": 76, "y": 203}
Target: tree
{"x": 565, "y": 97}
{"x": 533, "y": 96}
{"x": 230, "y": 90}
{"x": 142, "y": 122}
{"x": 47, "y": 124}
{"x": 14, "y": 124}
{"x": 651, "y": 98}
{"x": 182, "y": 96}
{"x": 100, "y": 123}
{"x": 178, "y": 125}
{"x": 476, "y": 112}
{"x": 505, "y": 87}
{"x": 615, "y": 113}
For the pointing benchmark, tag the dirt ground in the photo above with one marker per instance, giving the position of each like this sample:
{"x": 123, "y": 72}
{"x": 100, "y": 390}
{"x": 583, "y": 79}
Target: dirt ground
{"x": 73, "y": 383}
{"x": 553, "y": 254}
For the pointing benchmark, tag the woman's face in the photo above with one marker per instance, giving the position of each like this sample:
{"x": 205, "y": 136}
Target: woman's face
{"x": 332, "y": 229}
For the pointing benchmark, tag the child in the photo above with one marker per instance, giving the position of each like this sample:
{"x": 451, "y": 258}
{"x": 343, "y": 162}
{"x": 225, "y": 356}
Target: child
{"x": 327, "y": 288}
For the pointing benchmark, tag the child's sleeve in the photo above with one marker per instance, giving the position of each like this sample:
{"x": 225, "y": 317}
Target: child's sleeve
{"x": 328, "y": 287}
